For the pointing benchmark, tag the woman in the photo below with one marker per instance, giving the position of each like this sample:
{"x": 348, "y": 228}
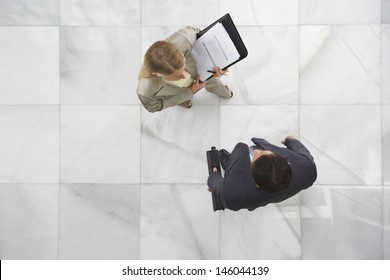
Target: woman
{"x": 168, "y": 76}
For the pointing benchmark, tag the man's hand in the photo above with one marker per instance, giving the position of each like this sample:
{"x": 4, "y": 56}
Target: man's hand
{"x": 197, "y": 85}
{"x": 287, "y": 138}
{"x": 214, "y": 170}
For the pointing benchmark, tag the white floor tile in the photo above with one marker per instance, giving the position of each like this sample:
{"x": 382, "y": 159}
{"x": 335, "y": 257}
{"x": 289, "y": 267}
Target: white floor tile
{"x": 385, "y": 62}
{"x": 344, "y": 155}
{"x": 269, "y": 75}
{"x": 177, "y": 222}
{"x": 340, "y": 64}
{"x": 31, "y": 12}
{"x": 29, "y": 144}
{"x": 99, "y": 222}
{"x": 30, "y": 65}
{"x": 179, "y": 13}
{"x": 386, "y": 223}
{"x": 174, "y": 144}
{"x": 386, "y": 143}
{"x": 100, "y": 12}
{"x": 262, "y": 12}
{"x": 340, "y": 11}
{"x": 100, "y": 144}
{"x": 385, "y": 11}
{"x": 242, "y": 123}
{"x": 99, "y": 65}
{"x": 337, "y": 221}
{"x": 270, "y": 232}
{"x": 28, "y": 221}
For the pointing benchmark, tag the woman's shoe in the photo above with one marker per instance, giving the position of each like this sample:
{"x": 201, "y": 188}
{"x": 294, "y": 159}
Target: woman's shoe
{"x": 186, "y": 104}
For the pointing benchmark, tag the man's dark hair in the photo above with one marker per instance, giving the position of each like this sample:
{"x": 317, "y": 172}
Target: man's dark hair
{"x": 272, "y": 172}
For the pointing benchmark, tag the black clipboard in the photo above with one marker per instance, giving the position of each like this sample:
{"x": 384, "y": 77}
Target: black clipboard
{"x": 231, "y": 29}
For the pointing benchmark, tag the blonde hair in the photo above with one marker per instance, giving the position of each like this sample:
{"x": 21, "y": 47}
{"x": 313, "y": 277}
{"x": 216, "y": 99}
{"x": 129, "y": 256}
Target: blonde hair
{"x": 162, "y": 57}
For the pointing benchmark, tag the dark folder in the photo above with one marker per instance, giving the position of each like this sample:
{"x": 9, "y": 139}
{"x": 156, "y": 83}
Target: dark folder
{"x": 231, "y": 29}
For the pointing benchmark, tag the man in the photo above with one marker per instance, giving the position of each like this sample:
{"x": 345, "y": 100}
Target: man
{"x": 262, "y": 174}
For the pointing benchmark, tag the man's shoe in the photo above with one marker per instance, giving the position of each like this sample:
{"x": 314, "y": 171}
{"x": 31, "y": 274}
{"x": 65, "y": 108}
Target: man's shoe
{"x": 224, "y": 157}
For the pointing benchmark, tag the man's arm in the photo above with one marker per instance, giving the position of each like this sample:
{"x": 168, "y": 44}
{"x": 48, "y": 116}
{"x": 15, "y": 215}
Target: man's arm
{"x": 215, "y": 183}
{"x": 296, "y": 146}
{"x": 306, "y": 168}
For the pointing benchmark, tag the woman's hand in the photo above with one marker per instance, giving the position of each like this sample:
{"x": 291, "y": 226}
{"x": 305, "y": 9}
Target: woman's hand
{"x": 197, "y": 85}
{"x": 218, "y": 72}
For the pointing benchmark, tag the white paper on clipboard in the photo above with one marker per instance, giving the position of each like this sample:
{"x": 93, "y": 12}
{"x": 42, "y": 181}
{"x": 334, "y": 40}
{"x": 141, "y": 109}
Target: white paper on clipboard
{"x": 214, "y": 48}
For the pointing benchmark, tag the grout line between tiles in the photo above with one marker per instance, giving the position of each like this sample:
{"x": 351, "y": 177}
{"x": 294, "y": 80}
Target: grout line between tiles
{"x": 341, "y": 185}
{"x": 181, "y": 25}
{"x": 299, "y": 119}
{"x": 140, "y": 179}
{"x": 59, "y": 130}
{"x": 382, "y": 135}
{"x": 221, "y": 105}
{"x": 140, "y": 137}
{"x": 219, "y": 144}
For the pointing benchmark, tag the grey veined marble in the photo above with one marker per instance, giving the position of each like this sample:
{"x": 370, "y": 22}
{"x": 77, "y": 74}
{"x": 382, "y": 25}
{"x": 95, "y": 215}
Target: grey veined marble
{"x": 87, "y": 173}
{"x": 29, "y": 12}
{"x": 100, "y": 12}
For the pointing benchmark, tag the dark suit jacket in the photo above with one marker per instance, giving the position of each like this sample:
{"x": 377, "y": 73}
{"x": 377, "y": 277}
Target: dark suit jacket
{"x": 238, "y": 189}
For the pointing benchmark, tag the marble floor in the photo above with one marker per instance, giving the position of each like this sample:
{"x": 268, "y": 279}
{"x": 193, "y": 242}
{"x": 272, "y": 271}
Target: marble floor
{"x": 87, "y": 173}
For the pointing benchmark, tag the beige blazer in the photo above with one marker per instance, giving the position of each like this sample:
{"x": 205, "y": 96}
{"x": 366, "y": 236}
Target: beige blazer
{"x": 155, "y": 94}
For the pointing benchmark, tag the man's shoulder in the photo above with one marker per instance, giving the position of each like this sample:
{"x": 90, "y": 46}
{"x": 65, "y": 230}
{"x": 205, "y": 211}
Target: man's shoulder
{"x": 239, "y": 159}
{"x": 240, "y": 146}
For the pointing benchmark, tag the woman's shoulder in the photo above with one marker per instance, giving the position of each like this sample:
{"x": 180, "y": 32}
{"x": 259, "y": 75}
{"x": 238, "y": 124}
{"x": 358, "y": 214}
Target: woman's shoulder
{"x": 184, "y": 34}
